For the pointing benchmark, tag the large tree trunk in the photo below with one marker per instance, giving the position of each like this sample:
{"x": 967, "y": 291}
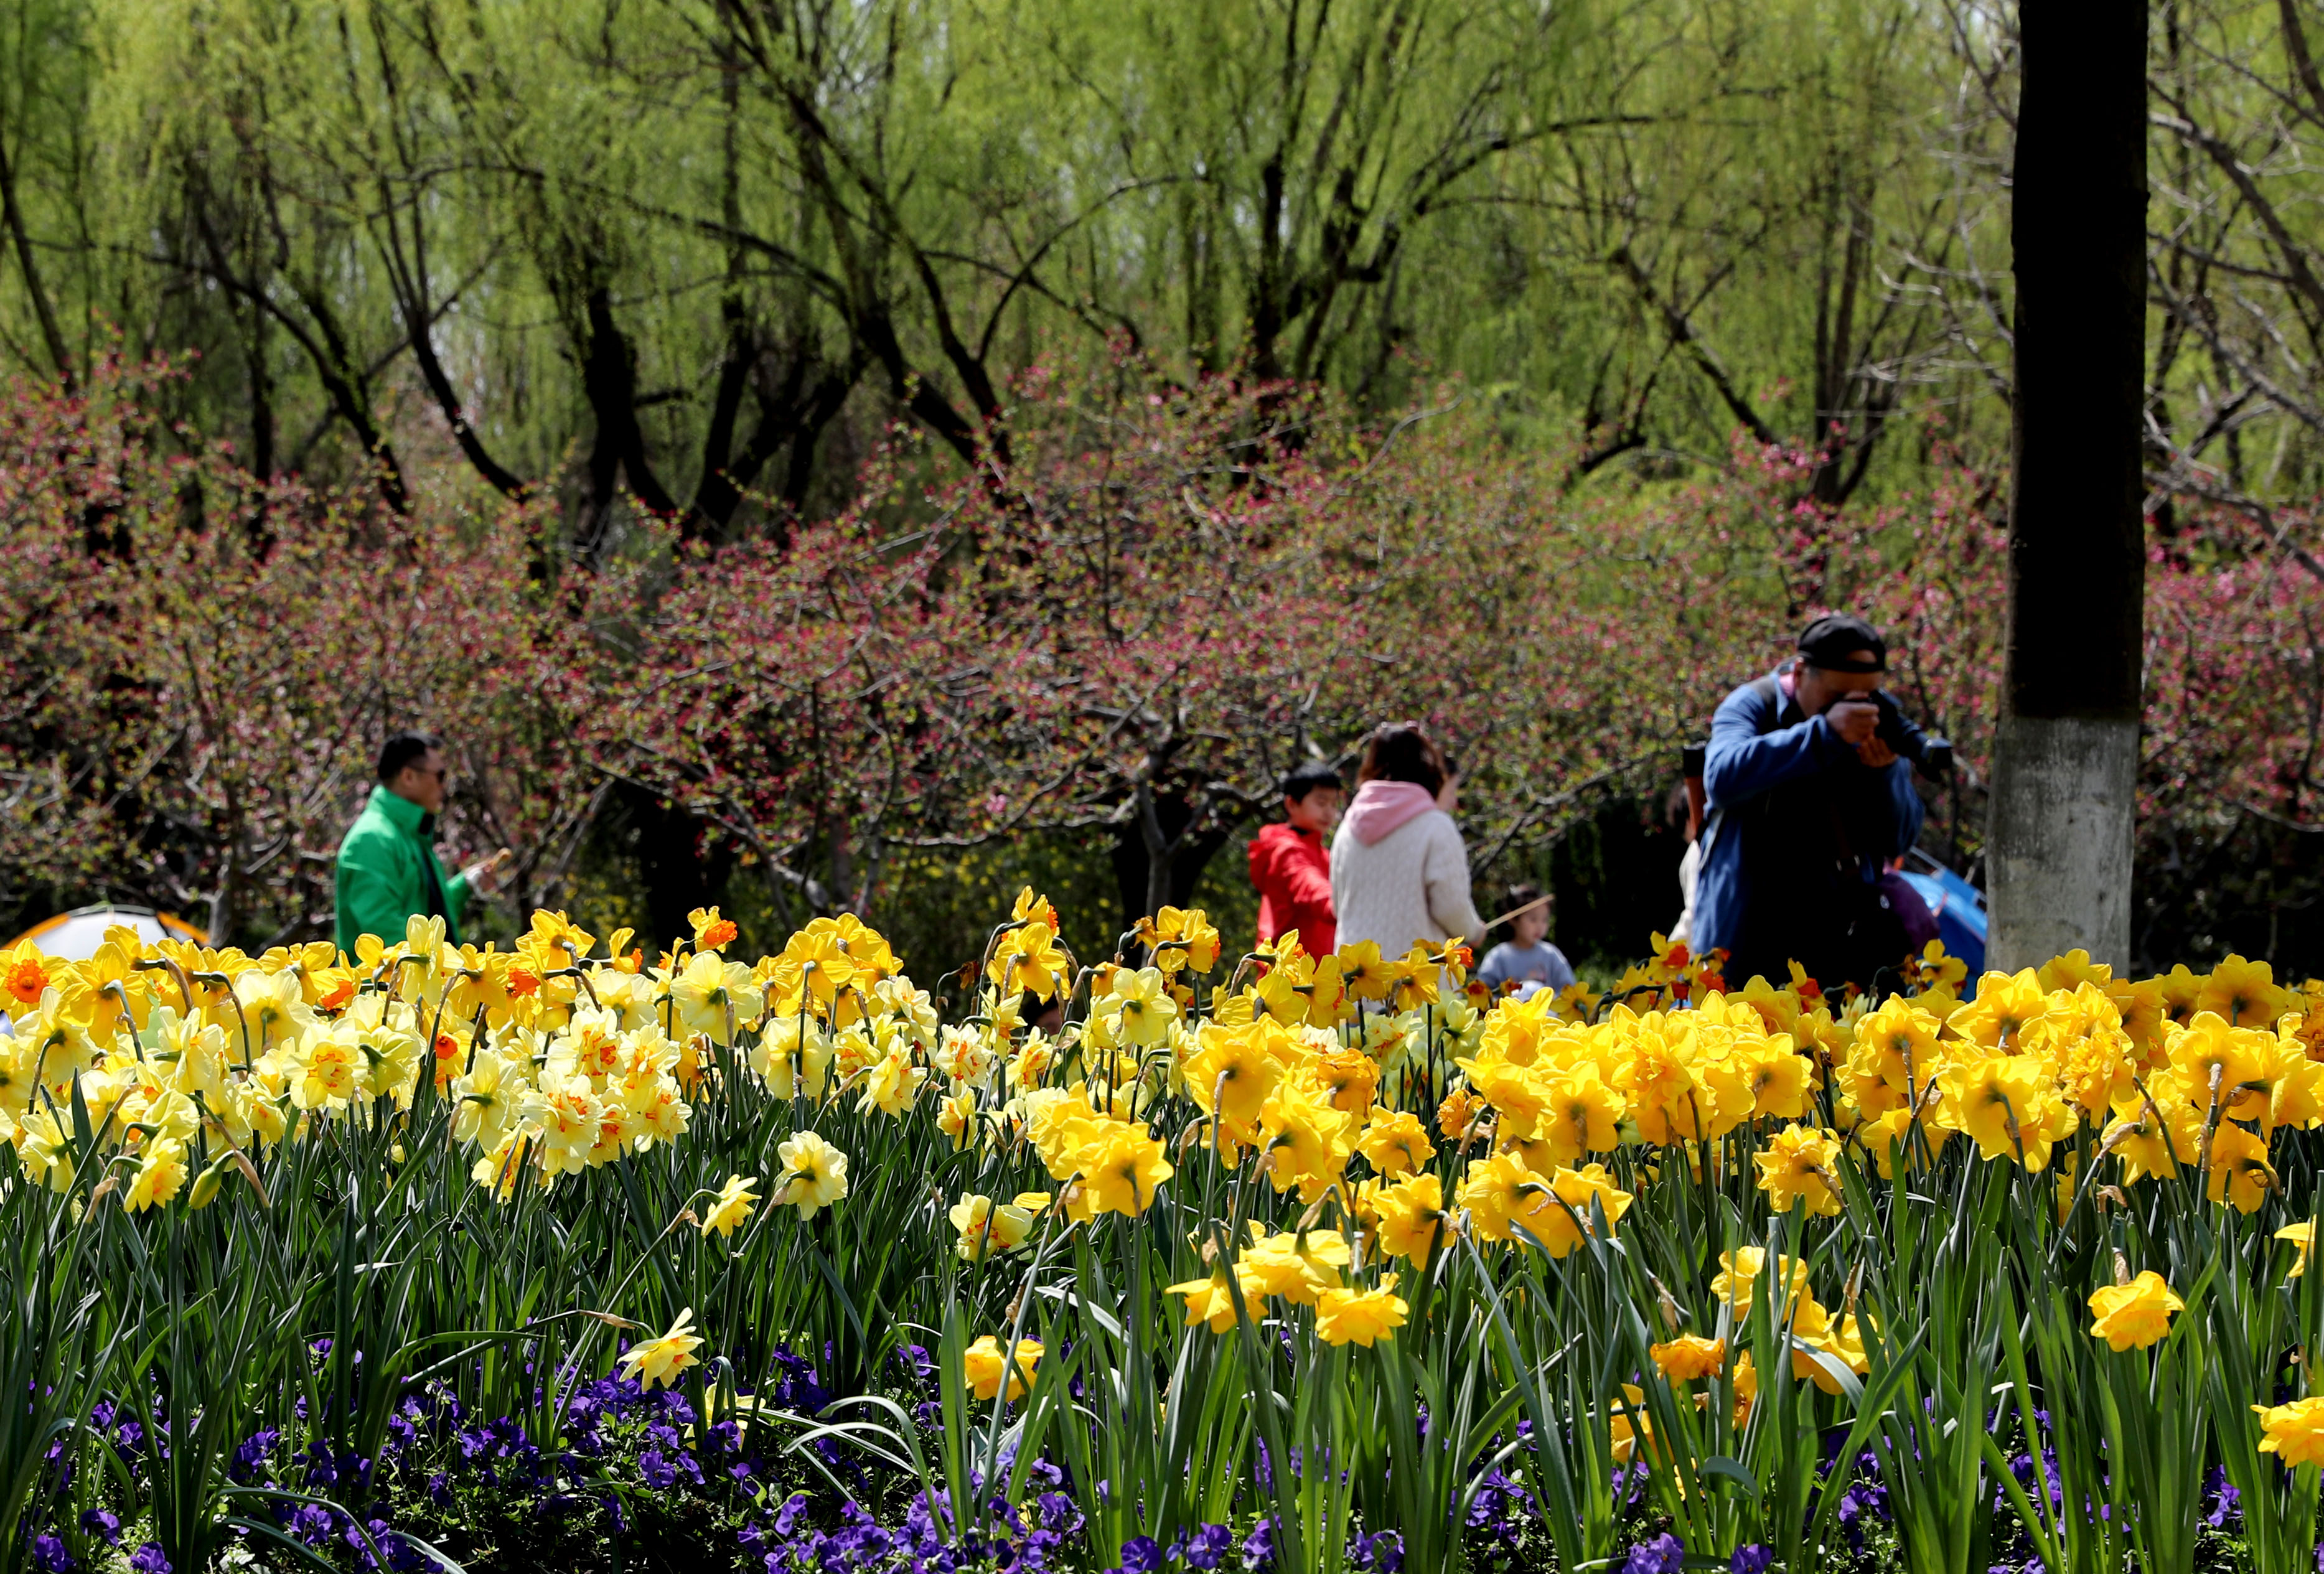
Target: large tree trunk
{"x": 2065, "y": 768}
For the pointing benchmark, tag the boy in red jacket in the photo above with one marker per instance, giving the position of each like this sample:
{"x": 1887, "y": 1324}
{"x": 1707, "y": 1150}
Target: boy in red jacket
{"x": 1291, "y": 863}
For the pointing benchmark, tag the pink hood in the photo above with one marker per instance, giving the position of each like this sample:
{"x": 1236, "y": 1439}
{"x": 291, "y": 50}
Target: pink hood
{"x": 1381, "y": 807}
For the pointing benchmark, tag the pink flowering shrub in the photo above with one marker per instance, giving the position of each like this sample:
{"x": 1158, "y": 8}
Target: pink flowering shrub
{"x": 1165, "y": 596}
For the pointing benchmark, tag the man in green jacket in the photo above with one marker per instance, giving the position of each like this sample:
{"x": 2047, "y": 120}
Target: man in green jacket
{"x": 387, "y": 864}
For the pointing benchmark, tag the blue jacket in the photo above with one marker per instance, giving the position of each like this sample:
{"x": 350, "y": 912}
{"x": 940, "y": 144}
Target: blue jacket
{"x": 1790, "y": 808}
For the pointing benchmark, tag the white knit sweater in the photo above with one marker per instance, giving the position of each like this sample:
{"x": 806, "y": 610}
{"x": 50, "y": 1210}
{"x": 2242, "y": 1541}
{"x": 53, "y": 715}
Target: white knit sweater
{"x": 1411, "y": 885}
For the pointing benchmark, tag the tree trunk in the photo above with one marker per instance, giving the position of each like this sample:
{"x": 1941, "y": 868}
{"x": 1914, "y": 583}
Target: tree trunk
{"x": 12, "y": 210}
{"x": 2065, "y": 768}
{"x": 677, "y": 874}
{"x": 1155, "y": 863}
{"x": 609, "y": 376}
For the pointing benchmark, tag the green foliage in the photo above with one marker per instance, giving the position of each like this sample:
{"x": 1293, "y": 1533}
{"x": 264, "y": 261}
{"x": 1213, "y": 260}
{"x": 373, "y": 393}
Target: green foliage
{"x": 687, "y": 247}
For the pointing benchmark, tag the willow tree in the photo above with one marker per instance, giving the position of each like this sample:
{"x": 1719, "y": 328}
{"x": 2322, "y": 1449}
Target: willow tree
{"x": 700, "y": 252}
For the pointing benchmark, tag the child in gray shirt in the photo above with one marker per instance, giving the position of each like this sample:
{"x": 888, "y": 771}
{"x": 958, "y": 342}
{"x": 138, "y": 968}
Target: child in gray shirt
{"x": 1527, "y": 960}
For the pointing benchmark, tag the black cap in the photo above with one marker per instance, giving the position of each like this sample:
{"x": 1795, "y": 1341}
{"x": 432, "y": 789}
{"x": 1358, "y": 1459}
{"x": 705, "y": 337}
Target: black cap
{"x": 1832, "y": 641}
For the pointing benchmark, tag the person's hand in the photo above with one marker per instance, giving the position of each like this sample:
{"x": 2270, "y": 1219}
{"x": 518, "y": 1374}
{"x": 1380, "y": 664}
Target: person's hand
{"x": 485, "y": 873}
{"x": 1875, "y": 752}
{"x": 1856, "y": 722}
{"x": 1448, "y": 796}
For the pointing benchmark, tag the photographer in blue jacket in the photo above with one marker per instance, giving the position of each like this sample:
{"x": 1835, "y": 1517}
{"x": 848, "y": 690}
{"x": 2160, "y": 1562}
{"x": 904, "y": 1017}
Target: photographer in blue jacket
{"x": 1809, "y": 805}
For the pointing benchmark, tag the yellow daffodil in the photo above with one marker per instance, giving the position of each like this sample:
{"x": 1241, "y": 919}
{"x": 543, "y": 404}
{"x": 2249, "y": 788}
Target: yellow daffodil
{"x": 1030, "y": 908}
{"x": 1459, "y": 1115}
{"x": 1519, "y": 1094}
{"x": 711, "y": 932}
{"x": 1739, "y": 1276}
{"x": 1396, "y": 1143}
{"x": 25, "y": 975}
{"x": 2300, "y": 1236}
{"x": 1183, "y": 941}
{"x": 1231, "y": 1074}
{"x": 1934, "y": 969}
{"x": 1120, "y": 1168}
{"x": 1782, "y": 1083}
{"x": 1840, "y": 1339}
{"x": 2007, "y": 1104}
{"x": 714, "y": 997}
{"x": 1308, "y": 1142}
{"x": 1344, "y": 1316}
{"x": 1501, "y": 1193}
{"x": 1578, "y": 1192}
{"x": 1409, "y": 1220}
{"x": 1689, "y": 1356}
{"x": 737, "y": 1199}
{"x": 160, "y": 1172}
{"x": 985, "y": 1366}
{"x": 814, "y": 1174}
{"x": 2132, "y": 1316}
{"x": 1362, "y": 971}
{"x": 1581, "y": 1112}
{"x": 1348, "y": 1080}
{"x": 813, "y": 975}
{"x": 1896, "y": 1049}
{"x": 1797, "y": 1166}
{"x": 2293, "y": 1432}
{"x": 1414, "y": 981}
{"x": 655, "y": 1362}
{"x": 1029, "y": 960}
{"x": 1628, "y": 1426}
{"x": 1210, "y": 1301}
{"x": 2243, "y": 993}
{"x": 2154, "y": 1139}
{"x": 892, "y": 1083}
{"x": 2240, "y": 1173}
{"x": 2071, "y": 968}
{"x": 981, "y": 1227}
{"x": 2212, "y": 1060}
{"x": 2005, "y": 1005}
{"x": 956, "y": 1118}
{"x": 1139, "y": 1008}
{"x": 1298, "y": 1268}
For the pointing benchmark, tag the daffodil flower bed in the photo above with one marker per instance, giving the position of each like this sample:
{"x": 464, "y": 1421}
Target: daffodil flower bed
{"x": 568, "y": 1254}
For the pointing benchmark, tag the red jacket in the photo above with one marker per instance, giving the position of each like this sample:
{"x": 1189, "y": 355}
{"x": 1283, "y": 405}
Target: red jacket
{"x": 1292, "y": 871}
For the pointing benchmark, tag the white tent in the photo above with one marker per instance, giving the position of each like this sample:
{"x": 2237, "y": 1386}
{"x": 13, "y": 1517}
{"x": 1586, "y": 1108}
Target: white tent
{"x": 76, "y": 936}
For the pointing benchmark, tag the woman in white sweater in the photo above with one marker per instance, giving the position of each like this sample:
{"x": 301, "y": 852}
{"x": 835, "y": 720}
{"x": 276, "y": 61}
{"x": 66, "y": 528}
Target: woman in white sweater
{"x": 1399, "y": 872}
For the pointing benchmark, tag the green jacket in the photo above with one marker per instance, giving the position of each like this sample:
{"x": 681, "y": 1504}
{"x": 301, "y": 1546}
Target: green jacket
{"x": 388, "y": 872}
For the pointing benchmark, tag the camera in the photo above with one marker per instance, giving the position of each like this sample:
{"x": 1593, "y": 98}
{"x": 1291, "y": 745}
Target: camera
{"x": 1931, "y": 756}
